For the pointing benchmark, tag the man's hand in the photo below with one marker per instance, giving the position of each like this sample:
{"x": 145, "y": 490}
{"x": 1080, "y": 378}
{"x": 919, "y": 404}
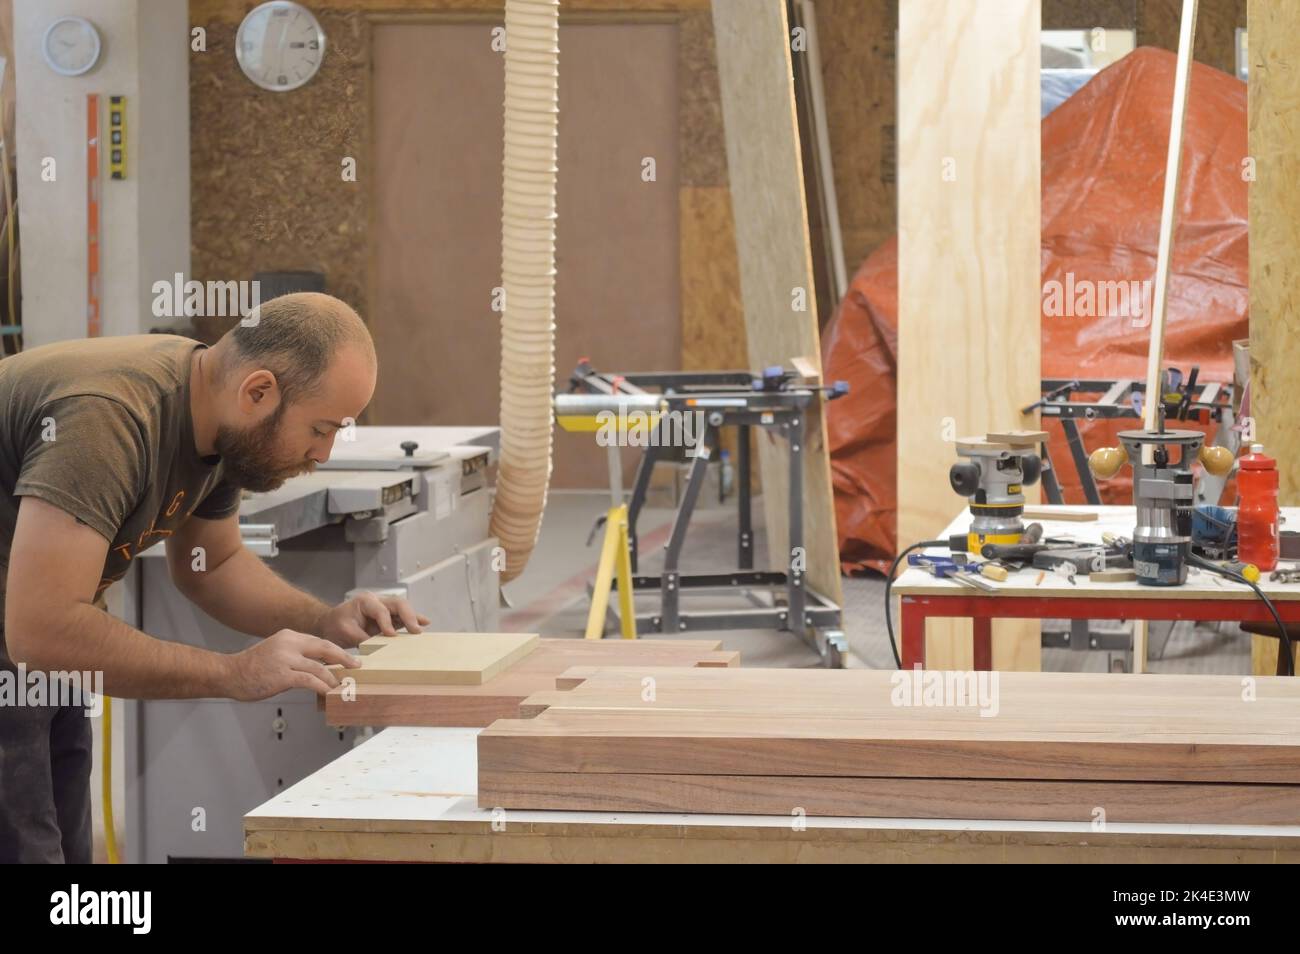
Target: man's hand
{"x": 286, "y": 660}
{"x": 352, "y": 623}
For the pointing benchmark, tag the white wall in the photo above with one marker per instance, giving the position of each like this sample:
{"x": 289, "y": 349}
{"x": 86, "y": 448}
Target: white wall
{"x": 145, "y": 219}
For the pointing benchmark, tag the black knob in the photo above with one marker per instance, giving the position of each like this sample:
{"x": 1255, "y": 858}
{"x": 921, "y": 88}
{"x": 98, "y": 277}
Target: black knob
{"x": 1031, "y": 468}
{"x": 409, "y": 447}
{"x": 965, "y": 478}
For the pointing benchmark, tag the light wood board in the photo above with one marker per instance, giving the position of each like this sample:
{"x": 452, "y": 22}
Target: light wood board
{"x": 771, "y": 216}
{"x": 499, "y": 697}
{"x": 1273, "y": 104}
{"x": 1169, "y": 211}
{"x": 441, "y": 659}
{"x": 968, "y": 263}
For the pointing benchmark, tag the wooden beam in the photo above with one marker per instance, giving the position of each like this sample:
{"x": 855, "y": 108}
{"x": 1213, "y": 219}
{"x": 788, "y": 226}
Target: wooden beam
{"x": 870, "y": 742}
{"x": 442, "y": 659}
{"x": 1169, "y": 214}
{"x": 1274, "y": 141}
{"x": 776, "y": 277}
{"x": 414, "y": 704}
{"x": 968, "y": 263}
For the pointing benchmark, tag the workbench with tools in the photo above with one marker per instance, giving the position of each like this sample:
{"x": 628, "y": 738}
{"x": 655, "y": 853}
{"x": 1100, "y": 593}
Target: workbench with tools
{"x": 1066, "y": 593}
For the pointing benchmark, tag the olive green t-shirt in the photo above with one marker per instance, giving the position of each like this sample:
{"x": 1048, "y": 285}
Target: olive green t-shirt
{"x": 101, "y": 429}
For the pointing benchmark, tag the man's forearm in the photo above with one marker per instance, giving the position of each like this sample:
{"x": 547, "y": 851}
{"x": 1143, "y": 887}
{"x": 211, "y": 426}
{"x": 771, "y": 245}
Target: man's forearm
{"x": 248, "y": 596}
{"x": 135, "y": 665}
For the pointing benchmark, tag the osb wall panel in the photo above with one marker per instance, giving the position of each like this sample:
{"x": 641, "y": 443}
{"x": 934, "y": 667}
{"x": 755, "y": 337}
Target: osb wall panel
{"x": 1216, "y": 27}
{"x": 713, "y": 318}
{"x": 1156, "y": 23}
{"x": 710, "y": 276}
{"x": 857, "y": 53}
{"x": 267, "y": 189}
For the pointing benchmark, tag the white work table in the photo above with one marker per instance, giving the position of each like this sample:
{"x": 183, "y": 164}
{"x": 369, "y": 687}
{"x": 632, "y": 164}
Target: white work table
{"x": 409, "y": 795}
{"x": 1035, "y": 594}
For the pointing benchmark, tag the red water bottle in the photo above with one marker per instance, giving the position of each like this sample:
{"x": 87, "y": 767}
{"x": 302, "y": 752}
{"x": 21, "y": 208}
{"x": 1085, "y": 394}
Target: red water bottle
{"x": 1257, "y": 513}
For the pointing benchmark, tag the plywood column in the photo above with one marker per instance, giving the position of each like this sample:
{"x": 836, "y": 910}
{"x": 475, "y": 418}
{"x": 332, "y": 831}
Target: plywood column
{"x": 968, "y": 263}
{"x": 776, "y": 280}
{"x": 1274, "y": 141}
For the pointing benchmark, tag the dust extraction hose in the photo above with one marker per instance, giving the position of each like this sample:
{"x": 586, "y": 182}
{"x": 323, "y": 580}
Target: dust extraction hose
{"x": 528, "y": 277}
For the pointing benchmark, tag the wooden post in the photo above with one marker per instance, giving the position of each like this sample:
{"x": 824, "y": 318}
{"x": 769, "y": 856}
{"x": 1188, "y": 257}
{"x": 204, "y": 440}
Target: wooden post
{"x": 1274, "y": 165}
{"x": 969, "y": 294}
{"x": 776, "y": 278}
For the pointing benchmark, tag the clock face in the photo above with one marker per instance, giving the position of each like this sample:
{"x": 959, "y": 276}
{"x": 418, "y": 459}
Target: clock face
{"x": 280, "y": 45}
{"x": 71, "y": 46}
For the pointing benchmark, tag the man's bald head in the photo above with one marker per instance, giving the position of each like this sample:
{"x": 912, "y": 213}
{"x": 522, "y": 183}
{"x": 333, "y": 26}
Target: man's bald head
{"x": 295, "y": 337}
{"x": 298, "y": 370}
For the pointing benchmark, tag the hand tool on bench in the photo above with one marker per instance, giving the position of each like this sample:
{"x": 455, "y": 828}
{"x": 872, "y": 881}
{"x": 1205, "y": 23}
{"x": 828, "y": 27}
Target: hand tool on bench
{"x": 1290, "y": 574}
{"x": 948, "y": 568}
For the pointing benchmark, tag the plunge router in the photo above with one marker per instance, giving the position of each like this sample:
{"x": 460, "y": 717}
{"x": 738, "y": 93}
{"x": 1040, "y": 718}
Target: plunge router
{"x": 993, "y": 476}
{"x": 1164, "y": 495}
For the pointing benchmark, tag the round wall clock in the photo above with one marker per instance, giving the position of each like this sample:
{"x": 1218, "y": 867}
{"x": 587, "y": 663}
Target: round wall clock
{"x": 71, "y": 46}
{"x": 280, "y": 45}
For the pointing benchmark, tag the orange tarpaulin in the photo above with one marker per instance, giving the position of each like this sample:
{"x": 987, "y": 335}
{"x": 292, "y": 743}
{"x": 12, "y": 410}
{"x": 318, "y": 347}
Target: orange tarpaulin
{"x": 1103, "y": 163}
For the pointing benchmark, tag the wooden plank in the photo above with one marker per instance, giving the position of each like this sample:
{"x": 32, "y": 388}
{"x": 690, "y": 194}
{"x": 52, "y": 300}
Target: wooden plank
{"x": 439, "y": 659}
{"x": 1169, "y": 213}
{"x": 1059, "y": 513}
{"x": 749, "y": 744}
{"x": 776, "y": 277}
{"x": 968, "y": 263}
{"x": 895, "y": 797}
{"x": 1274, "y": 138}
{"x": 871, "y": 689}
{"x": 1164, "y": 253}
{"x": 860, "y": 723}
{"x": 499, "y": 697}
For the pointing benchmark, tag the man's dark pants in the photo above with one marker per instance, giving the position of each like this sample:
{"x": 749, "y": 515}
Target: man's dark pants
{"x": 45, "y": 758}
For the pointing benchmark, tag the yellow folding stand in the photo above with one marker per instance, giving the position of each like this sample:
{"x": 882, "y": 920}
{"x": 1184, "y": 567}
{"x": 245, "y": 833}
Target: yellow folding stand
{"x": 615, "y": 555}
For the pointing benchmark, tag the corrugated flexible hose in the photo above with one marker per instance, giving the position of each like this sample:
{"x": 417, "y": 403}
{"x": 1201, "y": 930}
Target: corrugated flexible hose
{"x": 528, "y": 277}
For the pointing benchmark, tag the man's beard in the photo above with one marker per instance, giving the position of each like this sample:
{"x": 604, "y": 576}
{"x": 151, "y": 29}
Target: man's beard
{"x": 248, "y": 457}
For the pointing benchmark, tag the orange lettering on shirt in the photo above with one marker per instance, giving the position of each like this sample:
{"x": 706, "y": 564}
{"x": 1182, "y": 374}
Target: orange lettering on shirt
{"x": 176, "y": 502}
{"x": 151, "y": 532}
{"x": 125, "y": 550}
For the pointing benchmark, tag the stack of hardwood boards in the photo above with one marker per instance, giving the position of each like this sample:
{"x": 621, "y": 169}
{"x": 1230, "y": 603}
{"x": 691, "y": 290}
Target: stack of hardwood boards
{"x": 471, "y": 679}
{"x": 1051, "y": 746}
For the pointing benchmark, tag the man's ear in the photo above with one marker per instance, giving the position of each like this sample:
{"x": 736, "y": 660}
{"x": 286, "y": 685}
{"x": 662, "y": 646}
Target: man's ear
{"x": 261, "y": 386}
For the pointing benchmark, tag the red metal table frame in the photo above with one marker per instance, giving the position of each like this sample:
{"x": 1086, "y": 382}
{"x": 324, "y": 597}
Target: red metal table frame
{"x": 982, "y": 610}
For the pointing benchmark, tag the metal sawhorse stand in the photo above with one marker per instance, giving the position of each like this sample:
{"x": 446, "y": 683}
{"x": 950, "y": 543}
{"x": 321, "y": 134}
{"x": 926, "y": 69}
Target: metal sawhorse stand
{"x": 775, "y": 402}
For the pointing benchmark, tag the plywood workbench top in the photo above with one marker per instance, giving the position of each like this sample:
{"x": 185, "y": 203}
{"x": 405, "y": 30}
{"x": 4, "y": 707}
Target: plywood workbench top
{"x": 410, "y": 795}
